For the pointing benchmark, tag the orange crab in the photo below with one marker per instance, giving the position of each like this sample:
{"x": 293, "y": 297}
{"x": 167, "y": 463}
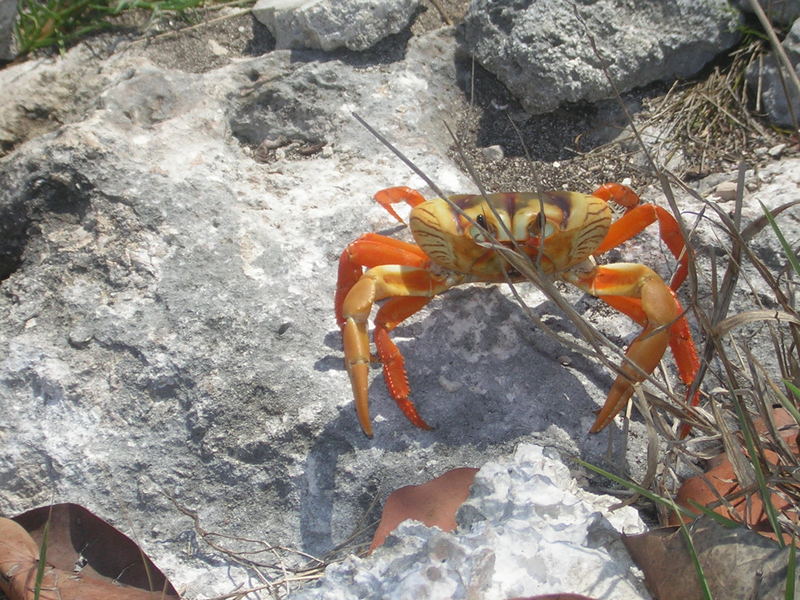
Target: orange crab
{"x": 560, "y": 231}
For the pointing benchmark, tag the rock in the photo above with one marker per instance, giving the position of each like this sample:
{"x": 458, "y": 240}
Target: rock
{"x": 8, "y": 15}
{"x": 171, "y": 295}
{"x": 526, "y": 529}
{"x": 726, "y": 191}
{"x": 540, "y": 50}
{"x": 494, "y": 152}
{"x": 777, "y": 150}
{"x": 331, "y": 24}
{"x": 766, "y": 76}
{"x": 781, "y": 12}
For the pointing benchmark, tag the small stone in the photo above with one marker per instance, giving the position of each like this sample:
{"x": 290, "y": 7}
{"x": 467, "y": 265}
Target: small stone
{"x": 565, "y": 360}
{"x": 726, "y": 191}
{"x": 493, "y": 153}
{"x": 776, "y": 150}
{"x": 80, "y": 337}
{"x": 216, "y": 48}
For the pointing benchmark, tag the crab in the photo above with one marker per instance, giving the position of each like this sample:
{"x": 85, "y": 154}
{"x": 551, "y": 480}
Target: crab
{"x": 456, "y": 243}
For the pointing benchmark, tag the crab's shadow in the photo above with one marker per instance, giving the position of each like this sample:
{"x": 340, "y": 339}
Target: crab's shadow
{"x": 483, "y": 375}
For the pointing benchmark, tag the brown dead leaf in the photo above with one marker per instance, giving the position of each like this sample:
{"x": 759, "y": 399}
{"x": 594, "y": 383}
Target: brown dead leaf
{"x": 87, "y": 559}
{"x": 737, "y": 563}
{"x": 433, "y": 503}
{"x": 747, "y": 508}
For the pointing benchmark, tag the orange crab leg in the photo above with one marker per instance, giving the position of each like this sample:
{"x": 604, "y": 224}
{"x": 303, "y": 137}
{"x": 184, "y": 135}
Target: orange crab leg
{"x": 638, "y": 291}
{"x": 390, "y": 316}
{"x": 636, "y": 218}
{"x": 680, "y": 342}
{"x": 400, "y": 193}
{"x": 372, "y": 250}
{"x": 357, "y": 292}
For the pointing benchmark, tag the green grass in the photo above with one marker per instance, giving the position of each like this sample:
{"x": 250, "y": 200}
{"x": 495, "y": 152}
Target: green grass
{"x": 60, "y": 23}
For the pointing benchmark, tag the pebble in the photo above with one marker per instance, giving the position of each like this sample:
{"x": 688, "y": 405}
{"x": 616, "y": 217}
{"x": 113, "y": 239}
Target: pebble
{"x": 776, "y": 150}
{"x": 493, "y": 153}
{"x": 726, "y": 191}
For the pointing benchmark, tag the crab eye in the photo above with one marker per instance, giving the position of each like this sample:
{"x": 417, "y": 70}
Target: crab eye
{"x": 478, "y": 234}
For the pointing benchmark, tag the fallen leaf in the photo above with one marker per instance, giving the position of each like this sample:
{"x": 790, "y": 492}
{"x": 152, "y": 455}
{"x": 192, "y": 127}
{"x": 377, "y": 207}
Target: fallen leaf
{"x": 747, "y": 508}
{"x": 433, "y": 503}
{"x": 737, "y": 563}
{"x": 86, "y": 558}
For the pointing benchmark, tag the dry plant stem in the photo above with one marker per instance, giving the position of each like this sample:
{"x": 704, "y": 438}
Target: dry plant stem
{"x": 299, "y": 574}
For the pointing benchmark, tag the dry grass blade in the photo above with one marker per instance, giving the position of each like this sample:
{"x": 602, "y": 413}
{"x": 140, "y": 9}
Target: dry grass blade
{"x": 778, "y": 316}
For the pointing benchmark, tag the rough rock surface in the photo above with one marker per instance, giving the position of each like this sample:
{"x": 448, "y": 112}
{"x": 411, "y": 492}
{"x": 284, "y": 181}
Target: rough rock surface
{"x": 527, "y": 529}
{"x": 8, "y": 13}
{"x": 777, "y": 90}
{"x": 168, "y": 250}
{"x": 331, "y": 24}
{"x": 168, "y": 289}
{"x": 779, "y": 12}
{"x": 540, "y": 49}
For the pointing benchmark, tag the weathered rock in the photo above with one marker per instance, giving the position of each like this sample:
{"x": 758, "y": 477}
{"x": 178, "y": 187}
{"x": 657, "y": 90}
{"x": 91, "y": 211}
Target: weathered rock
{"x": 167, "y": 337}
{"x": 166, "y": 318}
{"x": 8, "y": 15}
{"x": 527, "y": 529}
{"x": 779, "y": 12}
{"x": 778, "y": 91}
{"x": 541, "y": 50}
{"x": 331, "y": 24}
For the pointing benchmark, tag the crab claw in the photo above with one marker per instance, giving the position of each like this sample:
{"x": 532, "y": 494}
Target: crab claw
{"x": 640, "y": 293}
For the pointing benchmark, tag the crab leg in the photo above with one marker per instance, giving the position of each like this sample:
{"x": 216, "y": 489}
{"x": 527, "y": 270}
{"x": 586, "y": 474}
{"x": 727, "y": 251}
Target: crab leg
{"x": 390, "y": 316}
{"x": 639, "y": 292}
{"x": 400, "y": 193}
{"x": 680, "y": 342}
{"x": 410, "y": 287}
{"x": 372, "y": 250}
{"x": 636, "y": 218}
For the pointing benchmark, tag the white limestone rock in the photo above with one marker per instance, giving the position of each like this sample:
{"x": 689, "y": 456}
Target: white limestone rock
{"x": 526, "y": 529}
{"x": 331, "y": 24}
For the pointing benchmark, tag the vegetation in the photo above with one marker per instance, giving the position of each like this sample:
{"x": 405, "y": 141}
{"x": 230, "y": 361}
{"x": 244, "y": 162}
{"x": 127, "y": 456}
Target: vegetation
{"x": 60, "y": 23}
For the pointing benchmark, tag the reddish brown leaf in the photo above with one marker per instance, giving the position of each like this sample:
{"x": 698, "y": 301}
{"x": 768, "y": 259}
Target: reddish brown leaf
{"x": 433, "y": 503}
{"x": 87, "y": 559}
{"x": 747, "y": 508}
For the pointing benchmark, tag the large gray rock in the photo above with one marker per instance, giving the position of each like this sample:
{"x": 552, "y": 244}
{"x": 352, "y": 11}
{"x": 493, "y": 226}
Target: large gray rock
{"x": 331, "y": 24}
{"x": 779, "y": 96}
{"x": 779, "y": 12}
{"x": 8, "y": 15}
{"x": 541, "y": 50}
{"x": 166, "y": 321}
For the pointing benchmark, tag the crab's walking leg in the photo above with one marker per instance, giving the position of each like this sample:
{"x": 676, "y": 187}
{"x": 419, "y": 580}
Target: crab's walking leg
{"x": 400, "y": 193}
{"x": 654, "y": 306}
{"x": 636, "y": 218}
{"x": 390, "y": 316}
{"x": 371, "y": 250}
{"x": 680, "y": 342}
{"x": 410, "y": 286}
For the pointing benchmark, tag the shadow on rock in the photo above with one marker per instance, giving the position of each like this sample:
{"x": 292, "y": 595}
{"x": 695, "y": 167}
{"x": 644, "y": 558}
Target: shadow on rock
{"x": 483, "y": 376}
